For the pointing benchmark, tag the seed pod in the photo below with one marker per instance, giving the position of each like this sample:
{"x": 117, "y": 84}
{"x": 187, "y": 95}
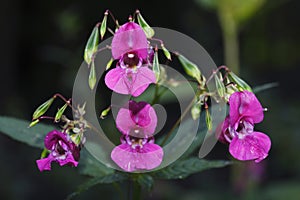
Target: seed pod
{"x": 42, "y": 109}
{"x": 91, "y": 45}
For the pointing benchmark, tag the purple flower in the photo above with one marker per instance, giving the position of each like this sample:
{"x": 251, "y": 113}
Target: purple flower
{"x": 137, "y": 123}
{"x": 237, "y": 129}
{"x": 132, "y": 75}
{"x": 138, "y": 120}
{"x": 137, "y": 154}
{"x": 62, "y": 150}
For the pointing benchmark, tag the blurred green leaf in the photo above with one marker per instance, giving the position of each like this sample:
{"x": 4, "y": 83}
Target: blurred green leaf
{"x": 88, "y": 165}
{"x": 264, "y": 87}
{"x": 106, "y": 179}
{"x": 184, "y": 168}
{"x": 201, "y": 132}
{"x": 18, "y": 129}
{"x": 238, "y": 10}
{"x": 146, "y": 181}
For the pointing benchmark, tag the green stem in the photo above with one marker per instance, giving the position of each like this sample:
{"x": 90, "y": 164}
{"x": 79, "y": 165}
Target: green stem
{"x": 134, "y": 190}
{"x": 230, "y": 40}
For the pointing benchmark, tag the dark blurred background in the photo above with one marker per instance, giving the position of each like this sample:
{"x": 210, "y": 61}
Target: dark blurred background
{"x": 42, "y": 43}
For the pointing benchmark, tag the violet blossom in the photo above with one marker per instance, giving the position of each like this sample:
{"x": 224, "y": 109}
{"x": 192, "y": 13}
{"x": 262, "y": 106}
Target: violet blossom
{"x": 237, "y": 129}
{"x": 132, "y": 75}
{"x": 62, "y": 150}
{"x": 137, "y": 124}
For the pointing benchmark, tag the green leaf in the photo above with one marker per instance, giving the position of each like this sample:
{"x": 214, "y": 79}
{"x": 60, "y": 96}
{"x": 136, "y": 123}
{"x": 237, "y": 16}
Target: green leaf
{"x": 17, "y": 129}
{"x": 42, "y": 109}
{"x": 103, "y": 25}
{"x": 147, "y": 29}
{"x": 201, "y": 132}
{"x": 60, "y": 112}
{"x": 184, "y": 168}
{"x": 156, "y": 67}
{"x": 91, "y": 45}
{"x": 146, "y": 181}
{"x": 110, "y": 178}
{"x": 241, "y": 84}
{"x": 220, "y": 86}
{"x": 264, "y": 87}
{"x": 166, "y": 52}
{"x": 92, "y": 76}
{"x": 88, "y": 165}
{"x": 190, "y": 68}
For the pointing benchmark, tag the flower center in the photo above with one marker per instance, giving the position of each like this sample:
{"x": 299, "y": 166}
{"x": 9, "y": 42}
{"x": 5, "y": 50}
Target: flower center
{"x": 244, "y": 128}
{"x": 130, "y": 60}
{"x": 60, "y": 148}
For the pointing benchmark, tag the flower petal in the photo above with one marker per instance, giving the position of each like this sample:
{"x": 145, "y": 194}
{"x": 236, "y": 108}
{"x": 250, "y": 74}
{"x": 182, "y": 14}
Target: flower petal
{"x": 129, "y": 37}
{"x": 124, "y": 122}
{"x": 254, "y": 146}
{"x": 52, "y": 138}
{"x": 68, "y": 160}
{"x": 144, "y": 77}
{"x": 45, "y": 163}
{"x": 222, "y": 131}
{"x": 129, "y": 159}
{"x": 134, "y": 83}
{"x": 245, "y": 104}
{"x": 115, "y": 81}
{"x": 140, "y": 116}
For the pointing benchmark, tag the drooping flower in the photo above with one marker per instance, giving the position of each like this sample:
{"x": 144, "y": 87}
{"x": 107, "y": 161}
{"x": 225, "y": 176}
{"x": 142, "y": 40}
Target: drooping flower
{"x": 137, "y": 124}
{"x": 244, "y": 143}
{"x": 62, "y": 150}
{"x": 132, "y": 75}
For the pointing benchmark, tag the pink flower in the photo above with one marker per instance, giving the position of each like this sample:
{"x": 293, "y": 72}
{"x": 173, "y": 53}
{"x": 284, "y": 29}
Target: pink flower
{"x": 62, "y": 150}
{"x": 132, "y": 75}
{"x": 137, "y": 154}
{"x": 245, "y": 143}
{"x": 138, "y": 120}
{"x": 137, "y": 123}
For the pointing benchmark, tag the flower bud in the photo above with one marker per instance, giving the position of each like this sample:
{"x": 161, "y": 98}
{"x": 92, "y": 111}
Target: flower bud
{"x": 190, "y": 68}
{"x": 91, "y": 45}
{"x": 220, "y": 86}
{"x": 147, "y": 29}
{"x": 92, "y": 76}
{"x": 156, "y": 67}
{"x": 103, "y": 25}
{"x": 42, "y": 109}
{"x": 60, "y": 112}
{"x": 241, "y": 84}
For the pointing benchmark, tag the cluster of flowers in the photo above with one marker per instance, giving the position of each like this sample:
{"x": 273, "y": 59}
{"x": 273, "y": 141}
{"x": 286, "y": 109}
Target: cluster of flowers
{"x": 137, "y": 121}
